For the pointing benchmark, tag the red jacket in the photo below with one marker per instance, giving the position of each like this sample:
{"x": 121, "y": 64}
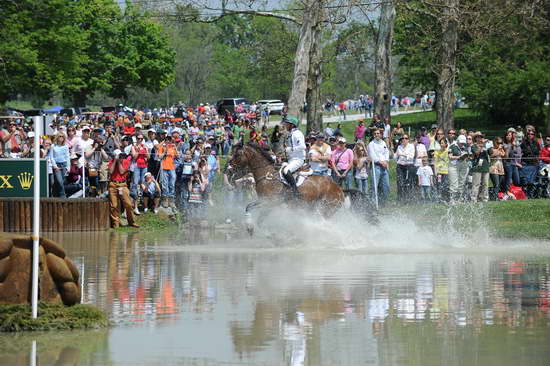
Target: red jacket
{"x": 545, "y": 155}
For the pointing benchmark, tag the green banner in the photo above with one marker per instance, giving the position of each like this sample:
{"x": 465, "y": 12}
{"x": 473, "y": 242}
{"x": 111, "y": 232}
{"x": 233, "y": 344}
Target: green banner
{"x": 17, "y": 178}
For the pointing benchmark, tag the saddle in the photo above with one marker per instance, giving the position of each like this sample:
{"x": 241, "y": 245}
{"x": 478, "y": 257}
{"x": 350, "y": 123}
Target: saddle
{"x": 300, "y": 175}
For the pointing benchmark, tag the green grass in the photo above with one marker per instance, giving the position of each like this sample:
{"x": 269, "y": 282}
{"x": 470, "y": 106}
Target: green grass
{"x": 150, "y": 222}
{"x": 505, "y": 219}
{"x": 15, "y": 318}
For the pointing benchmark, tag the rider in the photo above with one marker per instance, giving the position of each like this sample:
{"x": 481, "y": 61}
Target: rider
{"x": 295, "y": 151}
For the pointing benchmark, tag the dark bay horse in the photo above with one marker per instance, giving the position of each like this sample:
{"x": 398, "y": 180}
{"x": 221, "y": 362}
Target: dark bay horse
{"x": 319, "y": 193}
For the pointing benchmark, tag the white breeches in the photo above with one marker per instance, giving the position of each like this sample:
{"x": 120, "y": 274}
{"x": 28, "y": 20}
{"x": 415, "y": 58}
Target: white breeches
{"x": 293, "y": 165}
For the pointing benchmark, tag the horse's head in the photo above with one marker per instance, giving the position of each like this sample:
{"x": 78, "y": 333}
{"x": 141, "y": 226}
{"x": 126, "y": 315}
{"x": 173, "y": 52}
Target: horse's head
{"x": 248, "y": 156}
{"x": 240, "y": 158}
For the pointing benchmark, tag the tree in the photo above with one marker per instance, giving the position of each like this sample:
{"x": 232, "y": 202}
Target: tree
{"x": 311, "y": 14}
{"x": 383, "y": 60}
{"x": 124, "y": 51}
{"x": 40, "y": 48}
{"x": 435, "y": 38}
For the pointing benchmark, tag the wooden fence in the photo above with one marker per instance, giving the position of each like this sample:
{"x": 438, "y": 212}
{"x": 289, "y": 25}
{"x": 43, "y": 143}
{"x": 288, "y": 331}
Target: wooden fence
{"x": 56, "y": 214}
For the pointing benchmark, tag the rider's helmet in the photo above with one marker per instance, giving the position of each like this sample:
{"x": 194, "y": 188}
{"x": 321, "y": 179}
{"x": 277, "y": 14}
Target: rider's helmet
{"x": 292, "y": 120}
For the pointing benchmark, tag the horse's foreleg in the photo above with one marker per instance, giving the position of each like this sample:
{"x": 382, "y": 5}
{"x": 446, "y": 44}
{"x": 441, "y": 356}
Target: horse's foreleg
{"x": 248, "y": 221}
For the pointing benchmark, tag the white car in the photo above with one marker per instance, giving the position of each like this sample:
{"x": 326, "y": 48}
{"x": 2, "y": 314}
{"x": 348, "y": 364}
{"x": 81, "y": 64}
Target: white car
{"x": 275, "y": 106}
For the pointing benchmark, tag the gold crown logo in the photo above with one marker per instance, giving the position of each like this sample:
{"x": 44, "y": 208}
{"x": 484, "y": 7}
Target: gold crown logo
{"x": 25, "y": 180}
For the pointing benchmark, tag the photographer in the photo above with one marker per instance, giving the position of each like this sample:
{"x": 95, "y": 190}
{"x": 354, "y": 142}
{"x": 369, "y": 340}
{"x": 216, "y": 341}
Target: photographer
{"x": 140, "y": 157}
{"x": 118, "y": 189}
{"x": 167, "y": 153}
{"x": 13, "y": 140}
{"x": 96, "y": 158}
{"x": 480, "y": 169}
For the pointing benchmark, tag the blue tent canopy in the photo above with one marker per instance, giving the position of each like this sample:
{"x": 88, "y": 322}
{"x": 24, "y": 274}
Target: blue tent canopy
{"x": 55, "y": 109}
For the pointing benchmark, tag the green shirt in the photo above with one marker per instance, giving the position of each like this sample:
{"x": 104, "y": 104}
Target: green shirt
{"x": 481, "y": 162}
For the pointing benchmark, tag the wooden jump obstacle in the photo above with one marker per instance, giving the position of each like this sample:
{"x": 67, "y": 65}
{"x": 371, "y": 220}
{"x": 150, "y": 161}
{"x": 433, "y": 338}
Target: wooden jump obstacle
{"x": 56, "y": 214}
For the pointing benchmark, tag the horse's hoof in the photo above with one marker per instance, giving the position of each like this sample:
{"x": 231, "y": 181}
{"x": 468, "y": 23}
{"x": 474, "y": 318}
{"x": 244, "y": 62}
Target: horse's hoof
{"x": 250, "y": 231}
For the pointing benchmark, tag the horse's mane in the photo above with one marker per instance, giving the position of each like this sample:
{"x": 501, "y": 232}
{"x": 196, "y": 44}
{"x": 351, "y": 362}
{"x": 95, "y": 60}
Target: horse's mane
{"x": 265, "y": 152}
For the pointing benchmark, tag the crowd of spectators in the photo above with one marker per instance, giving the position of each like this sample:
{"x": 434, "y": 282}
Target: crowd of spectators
{"x": 171, "y": 158}
{"x": 437, "y": 165}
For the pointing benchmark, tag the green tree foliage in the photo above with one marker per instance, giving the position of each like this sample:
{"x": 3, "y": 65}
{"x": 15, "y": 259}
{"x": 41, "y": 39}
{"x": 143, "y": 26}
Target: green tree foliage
{"x": 507, "y": 75}
{"x": 501, "y": 65}
{"x": 78, "y": 48}
{"x": 39, "y": 48}
{"x": 254, "y": 58}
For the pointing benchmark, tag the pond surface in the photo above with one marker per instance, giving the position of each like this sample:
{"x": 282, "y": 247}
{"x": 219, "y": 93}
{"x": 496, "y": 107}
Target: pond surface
{"x": 230, "y": 301}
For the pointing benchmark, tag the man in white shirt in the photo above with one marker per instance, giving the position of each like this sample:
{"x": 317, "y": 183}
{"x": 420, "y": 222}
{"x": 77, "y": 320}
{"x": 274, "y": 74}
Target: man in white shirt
{"x": 405, "y": 169}
{"x": 380, "y": 156}
{"x": 84, "y": 145}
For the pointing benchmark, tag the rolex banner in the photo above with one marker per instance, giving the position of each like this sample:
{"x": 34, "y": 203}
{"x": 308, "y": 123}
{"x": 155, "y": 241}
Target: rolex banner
{"x": 17, "y": 178}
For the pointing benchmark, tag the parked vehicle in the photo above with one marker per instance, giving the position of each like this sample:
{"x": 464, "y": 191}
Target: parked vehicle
{"x": 230, "y": 104}
{"x": 275, "y": 105}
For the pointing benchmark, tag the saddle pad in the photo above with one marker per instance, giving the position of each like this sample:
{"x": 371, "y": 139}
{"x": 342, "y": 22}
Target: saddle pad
{"x": 300, "y": 178}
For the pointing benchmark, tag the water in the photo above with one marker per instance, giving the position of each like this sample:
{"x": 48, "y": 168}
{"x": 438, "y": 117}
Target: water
{"x": 352, "y": 296}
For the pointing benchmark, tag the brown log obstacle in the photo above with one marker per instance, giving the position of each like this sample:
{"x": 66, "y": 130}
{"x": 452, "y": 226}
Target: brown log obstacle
{"x": 56, "y": 214}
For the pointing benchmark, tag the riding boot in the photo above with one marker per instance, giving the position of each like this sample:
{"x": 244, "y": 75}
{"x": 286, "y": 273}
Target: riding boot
{"x": 292, "y": 182}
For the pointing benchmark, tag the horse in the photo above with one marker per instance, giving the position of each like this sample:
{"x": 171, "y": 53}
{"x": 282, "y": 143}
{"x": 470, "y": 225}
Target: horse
{"x": 318, "y": 193}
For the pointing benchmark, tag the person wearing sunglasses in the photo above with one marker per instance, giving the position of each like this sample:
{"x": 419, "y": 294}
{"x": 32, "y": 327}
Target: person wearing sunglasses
{"x": 530, "y": 158}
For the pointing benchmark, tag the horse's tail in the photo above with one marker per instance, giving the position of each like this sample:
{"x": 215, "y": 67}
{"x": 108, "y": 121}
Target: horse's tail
{"x": 360, "y": 203}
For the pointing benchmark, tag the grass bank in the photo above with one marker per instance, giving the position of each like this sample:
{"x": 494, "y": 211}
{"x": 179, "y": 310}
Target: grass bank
{"x": 15, "y": 318}
{"x": 152, "y": 223}
{"x": 505, "y": 219}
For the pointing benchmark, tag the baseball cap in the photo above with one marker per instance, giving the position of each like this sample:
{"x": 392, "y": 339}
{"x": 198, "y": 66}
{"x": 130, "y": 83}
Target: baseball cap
{"x": 207, "y": 146}
{"x": 152, "y": 130}
{"x": 117, "y": 152}
{"x": 138, "y": 125}
{"x": 512, "y": 129}
{"x": 461, "y": 139}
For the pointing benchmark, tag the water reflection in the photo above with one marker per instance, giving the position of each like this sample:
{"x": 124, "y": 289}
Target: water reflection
{"x": 56, "y": 348}
{"x": 177, "y": 304}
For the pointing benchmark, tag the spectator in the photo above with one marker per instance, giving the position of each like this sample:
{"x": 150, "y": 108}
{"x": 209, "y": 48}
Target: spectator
{"x": 118, "y": 189}
{"x": 405, "y": 169}
{"x": 441, "y": 163}
{"x": 480, "y": 170}
{"x": 530, "y": 151}
{"x": 396, "y": 134}
{"x": 319, "y": 155}
{"x": 496, "y": 170}
{"x": 96, "y": 158}
{"x": 73, "y": 181}
{"x": 13, "y": 139}
{"x": 380, "y": 156}
{"x": 59, "y": 160}
{"x": 167, "y": 152}
{"x": 196, "y": 188}
{"x": 140, "y": 155}
{"x": 151, "y": 192}
{"x": 425, "y": 180}
{"x": 360, "y": 131}
{"x": 458, "y": 168}
{"x": 342, "y": 164}
{"x": 360, "y": 163}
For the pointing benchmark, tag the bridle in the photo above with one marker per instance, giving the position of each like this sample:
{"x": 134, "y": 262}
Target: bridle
{"x": 268, "y": 176}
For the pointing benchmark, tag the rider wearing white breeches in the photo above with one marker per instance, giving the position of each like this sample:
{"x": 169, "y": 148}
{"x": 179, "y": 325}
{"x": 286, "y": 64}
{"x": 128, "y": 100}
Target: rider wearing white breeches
{"x": 295, "y": 151}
